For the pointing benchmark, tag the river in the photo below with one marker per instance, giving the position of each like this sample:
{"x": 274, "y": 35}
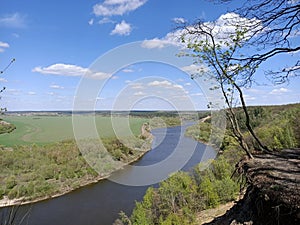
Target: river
{"x": 100, "y": 203}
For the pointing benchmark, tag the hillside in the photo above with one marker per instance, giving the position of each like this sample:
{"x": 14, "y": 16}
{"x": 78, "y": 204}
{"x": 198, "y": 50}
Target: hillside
{"x": 272, "y": 196}
{"x": 271, "y": 180}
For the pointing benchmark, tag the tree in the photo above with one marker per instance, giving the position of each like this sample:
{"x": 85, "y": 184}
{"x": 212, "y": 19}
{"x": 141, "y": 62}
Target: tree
{"x": 236, "y": 45}
{"x": 279, "y": 24}
{"x": 216, "y": 44}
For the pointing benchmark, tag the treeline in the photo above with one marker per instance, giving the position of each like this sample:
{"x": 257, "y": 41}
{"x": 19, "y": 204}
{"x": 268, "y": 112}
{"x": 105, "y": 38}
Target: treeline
{"x": 40, "y": 171}
{"x": 276, "y": 126}
{"x": 178, "y": 199}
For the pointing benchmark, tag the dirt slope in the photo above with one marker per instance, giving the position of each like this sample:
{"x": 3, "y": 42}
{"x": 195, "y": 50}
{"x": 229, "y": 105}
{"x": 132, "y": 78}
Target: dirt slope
{"x": 273, "y": 194}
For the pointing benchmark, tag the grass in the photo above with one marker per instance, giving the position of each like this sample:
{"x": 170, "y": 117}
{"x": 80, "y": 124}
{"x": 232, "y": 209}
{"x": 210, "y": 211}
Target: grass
{"x": 45, "y": 159}
{"x": 49, "y": 129}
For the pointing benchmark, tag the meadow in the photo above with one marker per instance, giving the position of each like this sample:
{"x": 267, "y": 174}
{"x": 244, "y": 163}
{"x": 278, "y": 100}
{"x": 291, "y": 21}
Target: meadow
{"x": 40, "y": 158}
{"x": 33, "y": 129}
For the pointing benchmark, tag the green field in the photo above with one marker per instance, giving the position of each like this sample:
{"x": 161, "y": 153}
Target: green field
{"x": 48, "y": 129}
{"x": 40, "y": 157}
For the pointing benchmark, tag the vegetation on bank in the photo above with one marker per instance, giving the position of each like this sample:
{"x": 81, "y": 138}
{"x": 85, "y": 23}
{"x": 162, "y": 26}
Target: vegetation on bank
{"x": 33, "y": 172}
{"x": 277, "y": 126}
{"x": 36, "y": 162}
{"x": 178, "y": 199}
{"x": 38, "y": 171}
{"x": 6, "y": 127}
{"x": 165, "y": 121}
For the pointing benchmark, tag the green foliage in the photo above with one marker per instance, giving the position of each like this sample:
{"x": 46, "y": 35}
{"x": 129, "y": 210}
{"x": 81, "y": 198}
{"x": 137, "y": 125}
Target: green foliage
{"x": 43, "y": 170}
{"x": 177, "y": 199}
{"x": 226, "y": 189}
{"x": 142, "y": 213}
{"x": 165, "y": 121}
{"x": 177, "y": 192}
{"x": 6, "y": 127}
{"x": 277, "y": 126}
{"x": 45, "y": 129}
{"x": 200, "y": 132}
{"x": 208, "y": 192}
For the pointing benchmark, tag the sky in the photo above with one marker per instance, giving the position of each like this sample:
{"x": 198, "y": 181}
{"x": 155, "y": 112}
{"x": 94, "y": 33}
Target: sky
{"x": 70, "y": 52}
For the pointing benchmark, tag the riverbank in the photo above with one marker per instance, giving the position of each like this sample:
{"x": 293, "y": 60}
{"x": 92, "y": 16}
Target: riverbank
{"x": 6, "y": 202}
{"x": 201, "y": 131}
{"x": 87, "y": 179}
{"x": 272, "y": 194}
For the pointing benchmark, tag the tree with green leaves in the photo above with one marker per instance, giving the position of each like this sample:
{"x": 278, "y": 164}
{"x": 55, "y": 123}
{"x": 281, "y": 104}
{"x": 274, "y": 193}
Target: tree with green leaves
{"x": 215, "y": 44}
{"x": 235, "y": 46}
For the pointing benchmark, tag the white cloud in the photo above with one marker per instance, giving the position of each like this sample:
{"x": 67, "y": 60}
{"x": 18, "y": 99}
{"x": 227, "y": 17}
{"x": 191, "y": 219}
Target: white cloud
{"x": 117, "y": 7}
{"x": 249, "y": 98}
{"x": 194, "y": 69}
{"x": 156, "y": 43}
{"x": 187, "y": 84}
{"x": 3, "y": 46}
{"x": 15, "y": 20}
{"x": 61, "y": 69}
{"x": 97, "y": 75}
{"x": 136, "y": 85}
{"x": 165, "y": 84}
{"x": 31, "y": 93}
{"x": 197, "y": 94}
{"x": 177, "y": 86}
{"x": 222, "y": 28}
{"x": 122, "y": 28}
{"x": 279, "y": 91}
{"x": 3, "y": 79}
{"x": 91, "y": 22}
{"x": 127, "y": 70}
{"x": 70, "y": 70}
{"x": 179, "y": 20}
{"x": 293, "y": 1}
{"x": 14, "y": 91}
{"x": 100, "y": 99}
{"x": 140, "y": 93}
{"x": 55, "y": 86}
{"x": 105, "y": 20}
{"x": 15, "y": 35}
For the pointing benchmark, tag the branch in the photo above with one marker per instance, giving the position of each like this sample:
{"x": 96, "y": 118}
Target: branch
{"x": 11, "y": 62}
{"x": 267, "y": 55}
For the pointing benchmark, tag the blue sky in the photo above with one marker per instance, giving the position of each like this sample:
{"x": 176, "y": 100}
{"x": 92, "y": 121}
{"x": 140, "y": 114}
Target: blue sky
{"x": 56, "y": 42}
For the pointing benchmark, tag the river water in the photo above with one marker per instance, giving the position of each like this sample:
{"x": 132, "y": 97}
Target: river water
{"x": 100, "y": 203}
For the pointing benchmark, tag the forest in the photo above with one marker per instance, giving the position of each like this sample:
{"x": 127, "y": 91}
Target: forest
{"x": 180, "y": 198}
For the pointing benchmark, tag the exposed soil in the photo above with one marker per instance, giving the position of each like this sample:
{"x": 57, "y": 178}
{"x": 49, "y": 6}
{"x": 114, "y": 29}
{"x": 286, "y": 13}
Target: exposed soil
{"x": 208, "y": 215}
{"x": 273, "y": 193}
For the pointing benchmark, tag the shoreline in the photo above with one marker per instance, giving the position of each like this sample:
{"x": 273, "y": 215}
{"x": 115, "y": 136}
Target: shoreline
{"x": 6, "y": 202}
